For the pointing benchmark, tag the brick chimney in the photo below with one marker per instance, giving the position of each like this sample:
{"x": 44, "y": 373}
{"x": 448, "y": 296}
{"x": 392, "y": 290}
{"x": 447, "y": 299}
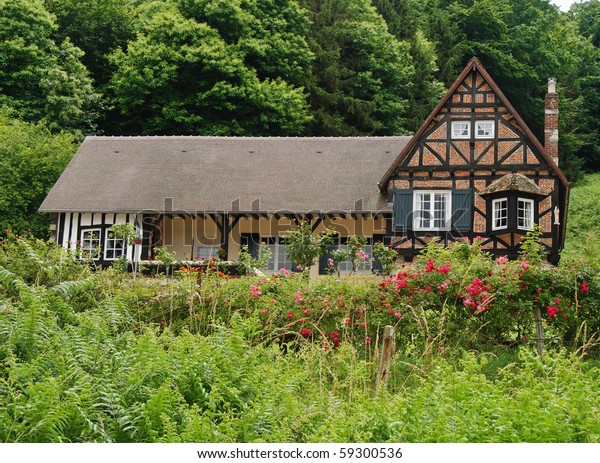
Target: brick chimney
{"x": 551, "y": 121}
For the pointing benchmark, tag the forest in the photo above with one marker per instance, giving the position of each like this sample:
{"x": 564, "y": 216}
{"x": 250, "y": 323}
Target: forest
{"x": 71, "y": 68}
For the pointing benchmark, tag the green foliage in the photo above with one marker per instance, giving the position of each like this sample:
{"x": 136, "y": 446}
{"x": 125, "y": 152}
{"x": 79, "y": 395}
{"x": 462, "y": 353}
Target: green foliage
{"x": 303, "y": 248}
{"x": 124, "y": 231}
{"x": 184, "y": 74}
{"x": 103, "y": 358}
{"x": 583, "y": 239}
{"x": 31, "y": 160}
{"x": 531, "y": 248}
{"x": 259, "y": 262}
{"x": 42, "y": 80}
{"x": 361, "y": 73}
{"x": 97, "y": 27}
{"x": 386, "y": 256}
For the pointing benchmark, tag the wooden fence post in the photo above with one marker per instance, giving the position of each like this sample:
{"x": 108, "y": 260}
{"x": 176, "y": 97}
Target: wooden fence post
{"x": 539, "y": 328}
{"x": 385, "y": 359}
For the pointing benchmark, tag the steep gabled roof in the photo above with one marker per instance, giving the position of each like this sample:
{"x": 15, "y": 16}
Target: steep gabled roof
{"x": 474, "y": 64}
{"x": 210, "y": 174}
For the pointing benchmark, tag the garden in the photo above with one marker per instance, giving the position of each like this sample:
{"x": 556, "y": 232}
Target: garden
{"x": 197, "y": 354}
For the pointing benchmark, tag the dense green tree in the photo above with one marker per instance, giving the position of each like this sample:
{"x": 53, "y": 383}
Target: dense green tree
{"x": 587, "y": 16}
{"x": 361, "y": 75}
{"x": 31, "y": 160}
{"x": 40, "y": 79}
{"x": 97, "y": 27}
{"x": 403, "y": 21}
{"x": 181, "y": 75}
{"x": 269, "y": 34}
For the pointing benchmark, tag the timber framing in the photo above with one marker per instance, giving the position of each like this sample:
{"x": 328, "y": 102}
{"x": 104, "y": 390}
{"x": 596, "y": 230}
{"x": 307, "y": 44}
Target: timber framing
{"x": 451, "y": 181}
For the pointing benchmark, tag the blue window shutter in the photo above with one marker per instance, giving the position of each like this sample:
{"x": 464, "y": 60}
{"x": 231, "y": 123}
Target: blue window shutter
{"x": 403, "y": 208}
{"x": 462, "y": 209}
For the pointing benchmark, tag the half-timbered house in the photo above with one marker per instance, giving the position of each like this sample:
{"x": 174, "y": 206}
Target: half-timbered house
{"x": 472, "y": 169}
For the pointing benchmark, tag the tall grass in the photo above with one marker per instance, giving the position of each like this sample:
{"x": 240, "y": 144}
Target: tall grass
{"x": 97, "y": 357}
{"x": 87, "y": 376}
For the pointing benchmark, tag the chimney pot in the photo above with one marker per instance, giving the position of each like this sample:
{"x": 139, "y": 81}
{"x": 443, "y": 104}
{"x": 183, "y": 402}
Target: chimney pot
{"x": 551, "y": 85}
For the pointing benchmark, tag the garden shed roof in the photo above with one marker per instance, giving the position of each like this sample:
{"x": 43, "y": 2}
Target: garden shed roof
{"x": 220, "y": 174}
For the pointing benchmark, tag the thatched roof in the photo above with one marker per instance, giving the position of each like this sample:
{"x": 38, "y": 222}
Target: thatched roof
{"x": 132, "y": 174}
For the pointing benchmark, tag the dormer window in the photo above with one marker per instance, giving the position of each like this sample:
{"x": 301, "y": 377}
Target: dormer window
{"x": 461, "y": 129}
{"x": 484, "y": 129}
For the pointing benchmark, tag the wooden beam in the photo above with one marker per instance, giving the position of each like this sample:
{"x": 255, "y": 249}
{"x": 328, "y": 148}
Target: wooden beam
{"x": 317, "y": 223}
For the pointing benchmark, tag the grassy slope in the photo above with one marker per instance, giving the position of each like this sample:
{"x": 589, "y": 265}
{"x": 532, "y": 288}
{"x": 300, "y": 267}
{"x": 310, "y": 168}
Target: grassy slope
{"x": 583, "y": 225}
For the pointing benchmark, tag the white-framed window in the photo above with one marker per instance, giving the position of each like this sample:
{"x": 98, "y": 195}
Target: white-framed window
{"x": 206, "y": 251}
{"x": 90, "y": 243}
{"x": 484, "y": 129}
{"x": 461, "y": 129}
{"x": 279, "y": 258}
{"x": 113, "y": 247}
{"x": 364, "y": 266}
{"x": 500, "y": 214}
{"x": 524, "y": 214}
{"x": 432, "y": 210}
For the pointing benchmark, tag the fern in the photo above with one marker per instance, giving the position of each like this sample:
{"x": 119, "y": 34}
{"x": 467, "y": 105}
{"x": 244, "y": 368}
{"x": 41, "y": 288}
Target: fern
{"x": 11, "y": 281}
{"x": 69, "y": 289}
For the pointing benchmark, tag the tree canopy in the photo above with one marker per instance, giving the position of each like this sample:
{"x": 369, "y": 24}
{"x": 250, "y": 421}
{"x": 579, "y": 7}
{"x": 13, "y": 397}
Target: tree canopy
{"x": 292, "y": 67}
{"x": 31, "y": 159}
{"x": 42, "y": 79}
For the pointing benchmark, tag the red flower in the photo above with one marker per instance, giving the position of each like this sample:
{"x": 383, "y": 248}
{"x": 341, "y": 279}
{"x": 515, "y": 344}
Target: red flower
{"x": 444, "y": 269}
{"x": 524, "y": 265}
{"x": 584, "y": 287}
{"x": 290, "y": 314}
{"x": 368, "y": 340}
{"x": 552, "y": 311}
{"x": 429, "y": 266}
{"x": 306, "y": 332}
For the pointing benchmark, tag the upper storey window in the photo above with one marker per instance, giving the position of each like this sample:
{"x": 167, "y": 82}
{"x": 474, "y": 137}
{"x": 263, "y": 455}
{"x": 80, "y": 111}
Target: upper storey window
{"x": 461, "y": 129}
{"x": 484, "y": 129}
